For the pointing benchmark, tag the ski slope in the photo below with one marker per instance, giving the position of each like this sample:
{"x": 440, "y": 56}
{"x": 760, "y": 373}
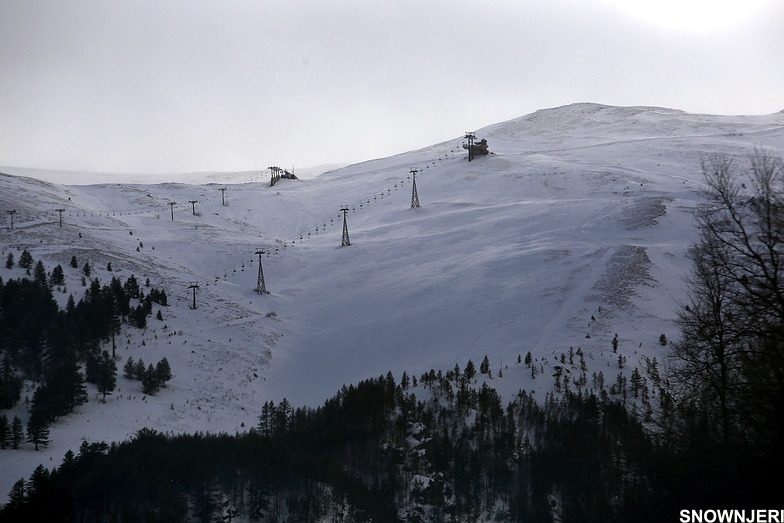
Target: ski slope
{"x": 573, "y": 229}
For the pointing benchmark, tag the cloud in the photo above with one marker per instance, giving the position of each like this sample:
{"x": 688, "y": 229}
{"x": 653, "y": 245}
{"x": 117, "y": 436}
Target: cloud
{"x": 170, "y": 86}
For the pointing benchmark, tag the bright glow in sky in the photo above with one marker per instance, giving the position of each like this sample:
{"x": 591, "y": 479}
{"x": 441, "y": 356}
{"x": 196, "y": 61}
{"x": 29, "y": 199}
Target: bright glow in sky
{"x": 198, "y": 85}
{"x": 694, "y": 15}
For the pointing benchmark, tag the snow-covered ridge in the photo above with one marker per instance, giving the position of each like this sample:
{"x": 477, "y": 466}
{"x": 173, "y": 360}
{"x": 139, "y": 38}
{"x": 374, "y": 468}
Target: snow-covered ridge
{"x": 200, "y": 178}
{"x": 572, "y": 230}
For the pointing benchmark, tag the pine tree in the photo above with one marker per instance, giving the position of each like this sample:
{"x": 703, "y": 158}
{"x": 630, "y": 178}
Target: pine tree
{"x": 139, "y": 369}
{"x": 10, "y": 384}
{"x": 109, "y": 266}
{"x": 150, "y": 384}
{"x": 663, "y": 340}
{"x": 9, "y": 262}
{"x": 470, "y": 371}
{"x": 615, "y": 344}
{"x": 484, "y": 367}
{"x": 163, "y": 372}
{"x": 600, "y": 381}
{"x": 18, "y": 496}
{"x": 58, "y": 276}
{"x": 636, "y": 381}
{"x": 26, "y": 260}
{"x": 38, "y": 492}
{"x": 107, "y": 375}
{"x": 140, "y": 317}
{"x": 266, "y": 418}
{"x": 74, "y": 263}
{"x": 87, "y": 270}
{"x": 70, "y": 306}
{"x": 38, "y": 429}
{"x": 129, "y": 369}
{"x": 64, "y": 387}
{"x": 404, "y": 381}
{"x": 146, "y": 304}
{"x": 39, "y": 273}
{"x": 17, "y": 432}
{"x": 131, "y": 286}
{"x": 528, "y": 359}
{"x": 41, "y": 404}
{"x": 653, "y": 371}
{"x": 5, "y": 431}
{"x": 282, "y": 417}
{"x": 91, "y": 367}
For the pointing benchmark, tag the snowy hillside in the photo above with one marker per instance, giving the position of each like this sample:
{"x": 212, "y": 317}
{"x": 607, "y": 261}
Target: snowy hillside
{"x": 573, "y": 229}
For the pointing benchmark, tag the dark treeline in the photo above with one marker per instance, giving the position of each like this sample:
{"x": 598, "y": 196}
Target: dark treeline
{"x": 373, "y": 451}
{"x": 41, "y": 342}
{"x": 377, "y": 451}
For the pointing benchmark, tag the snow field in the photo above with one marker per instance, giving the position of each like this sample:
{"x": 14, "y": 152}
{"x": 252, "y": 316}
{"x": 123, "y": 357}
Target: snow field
{"x": 573, "y": 230}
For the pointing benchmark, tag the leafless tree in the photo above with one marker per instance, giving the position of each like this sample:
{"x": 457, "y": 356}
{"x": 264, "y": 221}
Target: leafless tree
{"x": 708, "y": 354}
{"x": 731, "y": 353}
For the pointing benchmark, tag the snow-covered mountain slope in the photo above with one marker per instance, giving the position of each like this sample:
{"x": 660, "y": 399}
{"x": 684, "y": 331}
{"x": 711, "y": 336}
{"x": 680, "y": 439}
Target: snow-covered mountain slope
{"x": 574, "y": 229}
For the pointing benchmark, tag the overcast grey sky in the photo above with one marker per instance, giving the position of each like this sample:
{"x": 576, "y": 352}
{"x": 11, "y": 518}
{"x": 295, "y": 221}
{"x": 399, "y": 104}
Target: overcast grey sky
{"x": 176, "y": 86}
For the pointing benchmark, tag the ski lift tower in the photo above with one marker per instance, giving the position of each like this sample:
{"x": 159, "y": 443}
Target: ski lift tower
{"x": 261, "y": 287}
{"x": 194, "y": 286}
{"x": 414, "y": 195}
{"x": 470, "y": 137}
{"x": 345, "y": 242}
